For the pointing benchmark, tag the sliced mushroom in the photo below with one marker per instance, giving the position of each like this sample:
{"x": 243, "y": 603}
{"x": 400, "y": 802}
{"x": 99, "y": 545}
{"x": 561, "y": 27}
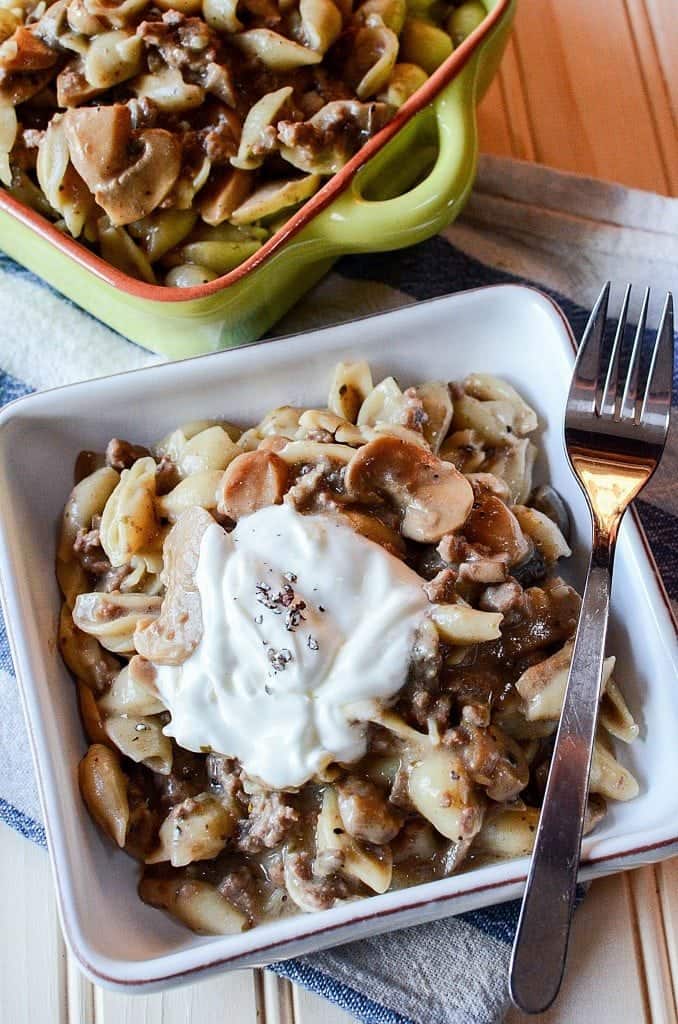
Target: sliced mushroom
{"x": 24, "y": 51}
{"x": 374, "y": 529}
{"x": 275, "y": 196}
{"x": 175, "y": 634}
{"x": 493, "y": 524}
{"x": 101, "y": 142}
{"x": 253, "y": 480}
{"x": 433, "y": 496}
{"x": 225, "y": 193}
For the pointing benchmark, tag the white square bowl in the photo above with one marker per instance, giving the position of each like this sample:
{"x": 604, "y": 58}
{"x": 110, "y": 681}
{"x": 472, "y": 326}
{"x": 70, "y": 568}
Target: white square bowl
{"x": 511, "y": 331}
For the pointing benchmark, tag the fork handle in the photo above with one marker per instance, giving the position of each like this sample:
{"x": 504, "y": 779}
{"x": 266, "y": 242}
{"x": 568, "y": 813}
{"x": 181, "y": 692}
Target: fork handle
{"x": 540, "y": 946}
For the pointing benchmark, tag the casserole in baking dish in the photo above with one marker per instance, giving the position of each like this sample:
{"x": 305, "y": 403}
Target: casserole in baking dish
{"x": 505, "y": 331}
{"x": 402, "y": 186}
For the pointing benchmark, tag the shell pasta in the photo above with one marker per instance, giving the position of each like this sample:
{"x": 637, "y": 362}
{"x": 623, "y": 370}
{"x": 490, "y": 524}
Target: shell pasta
{"x": 174, "y": 138}
{"x": 436, "y": 481}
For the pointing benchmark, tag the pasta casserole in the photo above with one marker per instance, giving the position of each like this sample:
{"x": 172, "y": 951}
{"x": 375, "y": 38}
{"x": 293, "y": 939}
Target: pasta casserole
{"x": 175, "y": 136}
{"x": 323, "y": 656}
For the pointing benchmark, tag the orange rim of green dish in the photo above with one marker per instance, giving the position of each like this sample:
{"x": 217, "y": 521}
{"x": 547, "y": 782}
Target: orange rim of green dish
{"x": 300, "y": 219}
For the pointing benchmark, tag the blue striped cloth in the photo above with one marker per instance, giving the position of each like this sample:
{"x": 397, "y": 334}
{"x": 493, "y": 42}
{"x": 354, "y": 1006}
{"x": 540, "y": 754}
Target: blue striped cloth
{"x": 449, "y": 972}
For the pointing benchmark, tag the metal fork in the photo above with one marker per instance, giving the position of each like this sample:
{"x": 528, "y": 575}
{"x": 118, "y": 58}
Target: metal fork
{"x": 615, "y": 434}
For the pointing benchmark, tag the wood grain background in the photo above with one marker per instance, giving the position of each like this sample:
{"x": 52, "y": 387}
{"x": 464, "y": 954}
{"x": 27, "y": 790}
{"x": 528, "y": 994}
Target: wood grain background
{"x": 585, "y": 86}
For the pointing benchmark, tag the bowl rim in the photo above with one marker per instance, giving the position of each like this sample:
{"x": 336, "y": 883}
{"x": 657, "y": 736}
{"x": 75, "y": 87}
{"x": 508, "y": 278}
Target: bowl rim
{"x": 158, "y": 972}
{"x": 335, "y": 186}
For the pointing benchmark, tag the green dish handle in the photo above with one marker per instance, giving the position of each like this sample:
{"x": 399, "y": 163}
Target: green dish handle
{"x": 357, "y": 221}
{"x": 440, "y": 145}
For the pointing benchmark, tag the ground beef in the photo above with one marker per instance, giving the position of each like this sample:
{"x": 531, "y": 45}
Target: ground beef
{"x": 419, "y": 696}
{"x": 334, "y": 133}
{"x": 328, "y": 863}
{"x": 224, "y": 781}
{"x": 414, "y": 416}
{"x": 186, "y": 43}
{"x": 87, "y": 549}
{"x": 453, "y": 549}
{"x": 503, "y": 598}
{"x": 121, "y": 454}
{"x": 187, "y": 778}
{"x": 271, "y": 819}
{"x": 492, "y": 759}
{"x": 400, "y": 789}
{"x": 166, "y": 476}
{"x": 240, "y": 888}
{"x": 144, "y": 112}
{"x": 442, "y": 588}
{"x": 546, "y": 616}
{"x": 484, "y": 571}
{"x": 320, "y": 891}
{"x": 317, "y": 490}
{"x": 219, "y": 141}
{"x": 426, "y": 561}
{"x": 114, "y": 577}
{"x": 424, "y": 707}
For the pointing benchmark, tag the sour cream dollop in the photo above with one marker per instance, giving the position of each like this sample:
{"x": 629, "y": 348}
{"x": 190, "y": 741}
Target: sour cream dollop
{"x": 306, "y": 625}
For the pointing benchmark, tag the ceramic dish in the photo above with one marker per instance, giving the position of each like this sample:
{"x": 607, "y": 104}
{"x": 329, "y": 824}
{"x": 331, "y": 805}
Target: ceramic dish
{"x": 505, "y": 330}
{"x": 373, "y": 204}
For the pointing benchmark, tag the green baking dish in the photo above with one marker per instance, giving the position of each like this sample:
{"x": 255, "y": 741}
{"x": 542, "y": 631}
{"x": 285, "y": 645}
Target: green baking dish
{"x": 406, "y": 184}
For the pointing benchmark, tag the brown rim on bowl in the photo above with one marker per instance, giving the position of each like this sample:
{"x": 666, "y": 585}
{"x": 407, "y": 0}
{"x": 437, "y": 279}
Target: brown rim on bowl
{"x": 335, "y": 186}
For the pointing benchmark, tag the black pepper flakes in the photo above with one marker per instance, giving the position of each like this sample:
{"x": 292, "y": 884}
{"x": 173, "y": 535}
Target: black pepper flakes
{"x": 279, "y": 659}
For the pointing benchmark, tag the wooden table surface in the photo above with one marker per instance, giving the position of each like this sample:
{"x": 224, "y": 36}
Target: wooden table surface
{"x": 587, "y": 87}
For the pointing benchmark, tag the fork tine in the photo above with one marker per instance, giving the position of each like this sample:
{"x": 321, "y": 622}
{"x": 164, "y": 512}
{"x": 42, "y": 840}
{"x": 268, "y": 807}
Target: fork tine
{"x": 586, "y": 368}
{"x": 657, "y": 399}
{"x": 607, "y": 397}
{"x": 630, "y": 396}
